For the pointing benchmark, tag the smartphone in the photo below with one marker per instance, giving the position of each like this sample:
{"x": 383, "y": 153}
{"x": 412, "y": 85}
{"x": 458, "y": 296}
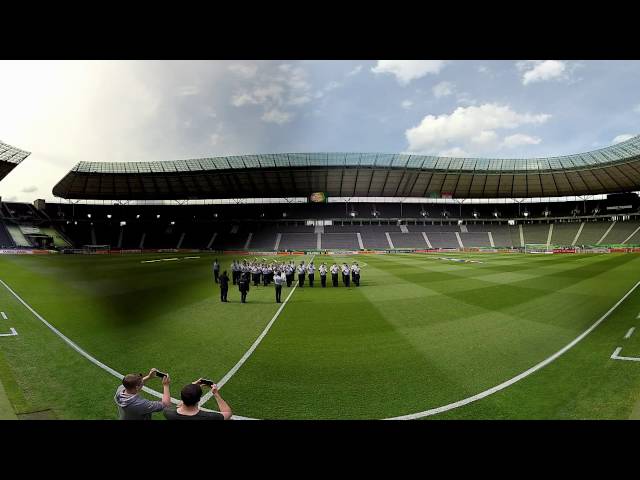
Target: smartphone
{"x": 160, "y": 374}
{"x": 204, "y": 381}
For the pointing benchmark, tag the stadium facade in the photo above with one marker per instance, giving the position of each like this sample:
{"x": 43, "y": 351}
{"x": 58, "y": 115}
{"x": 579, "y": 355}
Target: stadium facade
{"x": 437, "y": 218}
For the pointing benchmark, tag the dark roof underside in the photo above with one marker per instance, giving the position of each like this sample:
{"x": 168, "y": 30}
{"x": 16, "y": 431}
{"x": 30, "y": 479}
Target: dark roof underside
{"x": 609, "y": 170}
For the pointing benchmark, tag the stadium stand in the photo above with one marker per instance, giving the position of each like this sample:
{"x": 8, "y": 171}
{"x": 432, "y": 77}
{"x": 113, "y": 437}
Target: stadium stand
{"x": 5, "y": 237}
{"x": 535, "y": 233}
{"x": 564, "y": 233}
{"x": 592, "y": 232}
{"x": 620, "y": 232}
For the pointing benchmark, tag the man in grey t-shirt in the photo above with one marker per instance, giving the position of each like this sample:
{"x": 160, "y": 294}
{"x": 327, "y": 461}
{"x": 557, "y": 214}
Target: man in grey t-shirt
{"x": 131, "y": 406}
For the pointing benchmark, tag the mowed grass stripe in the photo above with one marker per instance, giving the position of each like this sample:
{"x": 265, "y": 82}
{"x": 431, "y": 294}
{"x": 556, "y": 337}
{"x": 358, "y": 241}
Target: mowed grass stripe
{"x": 494, "y": 345}
{"x": 137, "y": 316}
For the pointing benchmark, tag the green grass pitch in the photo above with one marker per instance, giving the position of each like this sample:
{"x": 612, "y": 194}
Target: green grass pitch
{"x": 419, "y": 333}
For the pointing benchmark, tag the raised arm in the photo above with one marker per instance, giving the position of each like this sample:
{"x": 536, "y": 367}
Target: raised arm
{"x": 224, "y": 408}
{"x": 166, "y": 395}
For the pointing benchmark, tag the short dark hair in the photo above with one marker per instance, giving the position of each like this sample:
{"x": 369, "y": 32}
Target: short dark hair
{"x": 191, "y": 394}
{"x": 131, "y": 381}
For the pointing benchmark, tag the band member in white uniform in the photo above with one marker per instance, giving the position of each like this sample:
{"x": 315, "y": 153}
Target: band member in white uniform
{"x": 334, "y": 274}
{"x": 346, "y": 278}
{"x": 323, "y": 275}
{"x": 301, "y": 274}
{"x": 355, "y": 274}
{"x": 278, "y": 279}
{"x": 311, "y": 271}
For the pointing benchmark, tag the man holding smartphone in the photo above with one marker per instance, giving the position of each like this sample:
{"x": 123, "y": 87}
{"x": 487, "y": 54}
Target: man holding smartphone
{"x": 131, "y": 406}
{"x": 189, "y": 408}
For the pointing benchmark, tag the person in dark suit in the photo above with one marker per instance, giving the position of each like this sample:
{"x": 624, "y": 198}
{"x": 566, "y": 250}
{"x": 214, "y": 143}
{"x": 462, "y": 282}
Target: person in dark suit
{"x": 224, "y": 286}
{"x": 243, "y": 286}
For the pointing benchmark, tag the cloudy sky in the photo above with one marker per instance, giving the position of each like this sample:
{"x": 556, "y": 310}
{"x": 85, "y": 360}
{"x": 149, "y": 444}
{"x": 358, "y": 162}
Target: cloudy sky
{"x": 68, "y": 111}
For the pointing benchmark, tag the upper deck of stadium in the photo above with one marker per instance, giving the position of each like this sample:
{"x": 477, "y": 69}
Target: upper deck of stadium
{"x": 607, "y": 170}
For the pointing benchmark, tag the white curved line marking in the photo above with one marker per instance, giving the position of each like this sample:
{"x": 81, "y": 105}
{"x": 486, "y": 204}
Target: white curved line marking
{"x": 89, "y": 357}
{"x": 519, "y": 377}
{"x": 411, "y": 416}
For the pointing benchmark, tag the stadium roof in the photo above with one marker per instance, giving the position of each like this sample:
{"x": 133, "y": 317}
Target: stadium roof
{"x": 10, "y": 157}
{"x": 608, "y": 170}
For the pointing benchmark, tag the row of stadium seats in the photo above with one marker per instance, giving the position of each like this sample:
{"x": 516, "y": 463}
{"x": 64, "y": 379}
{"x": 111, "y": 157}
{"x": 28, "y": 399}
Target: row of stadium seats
{"x": 247, "y": 236}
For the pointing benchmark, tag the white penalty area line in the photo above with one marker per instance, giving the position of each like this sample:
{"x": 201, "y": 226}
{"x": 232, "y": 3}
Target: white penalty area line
{"x": 167, "y": 259}
{"x": 252, "y": 348}
{"x": 517, "y": 378}
{"x": 12, "y": 334}
{"x": 86, "y": 355}
{"x": 4, "y": 315}
{"x": 616, "y": 356}
{"x": 630, "y": 332}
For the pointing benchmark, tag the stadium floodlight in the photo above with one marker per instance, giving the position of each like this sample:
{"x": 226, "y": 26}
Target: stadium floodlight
{"x": 215, "y": 215}
{"x": 423, "y": 213}
{"x": 284, "y": 214}
{"x": 526, "y": 213}
{"x": 173, "y": 223}
{"x": 68, "y": 222}
{"x": 88, "y": 215}
{"x": 475, "y": 214}
{"x": 158, "y": 216}
{"x": 108, "y": 215}
{"x": 496, "y": 213}
{"x": 353, "y": 214}
{"x": 546, "y": 212}
{"x": 75, "y": 223}
{"x": 122, "y": 224}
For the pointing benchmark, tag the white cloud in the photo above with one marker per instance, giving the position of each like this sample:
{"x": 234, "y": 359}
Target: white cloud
{"x": 637, "y": 108}
{"x": 407, "y": 104}
{"x": 355, "y": 71}
{"x": 244, "y": 71}
{"x": 214, "y": 138}
{"x": 407, "y": 70}
{"x": 520, "y": 139}
{"x": 541, "y": 71}
{"x": 188, "y": 90}
{"x": 277, "y": 91}
{"x": 277, "y": 116}
{"x": 453, "y": 152}
{"x": 483, "y": 69}
{"x": 485, "y": 137}
{"x": 623, "y": 137}
{"x": 443, "y": 89}
{"x": 474, "y": 128}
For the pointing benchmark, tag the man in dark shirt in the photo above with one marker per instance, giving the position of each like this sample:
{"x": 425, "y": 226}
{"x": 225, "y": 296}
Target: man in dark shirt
{"x": 189, "y": 409}
{"x": 243, "y": 286}
{"x": 224, "y": 286}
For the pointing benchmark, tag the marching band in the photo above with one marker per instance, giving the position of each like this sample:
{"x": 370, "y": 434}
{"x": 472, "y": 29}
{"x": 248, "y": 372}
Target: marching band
{"x": 256, "y": 271}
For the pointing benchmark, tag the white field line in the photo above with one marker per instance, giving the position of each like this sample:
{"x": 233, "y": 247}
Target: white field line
{"x": 4, "y": 315}
{"x": 86, "y": 355}
{"x": 252, "y": 348}
{"x": 519, "y": 377}
{"x": 638, "y": 316}
{"x": 630, "y": 332}
{"x": 169, "y": 259}
{"x": 149, "y": 261}
{"x": 189, "y": 258}
{"x": 12, "y": 334}
{"x": 616, "y": 356}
